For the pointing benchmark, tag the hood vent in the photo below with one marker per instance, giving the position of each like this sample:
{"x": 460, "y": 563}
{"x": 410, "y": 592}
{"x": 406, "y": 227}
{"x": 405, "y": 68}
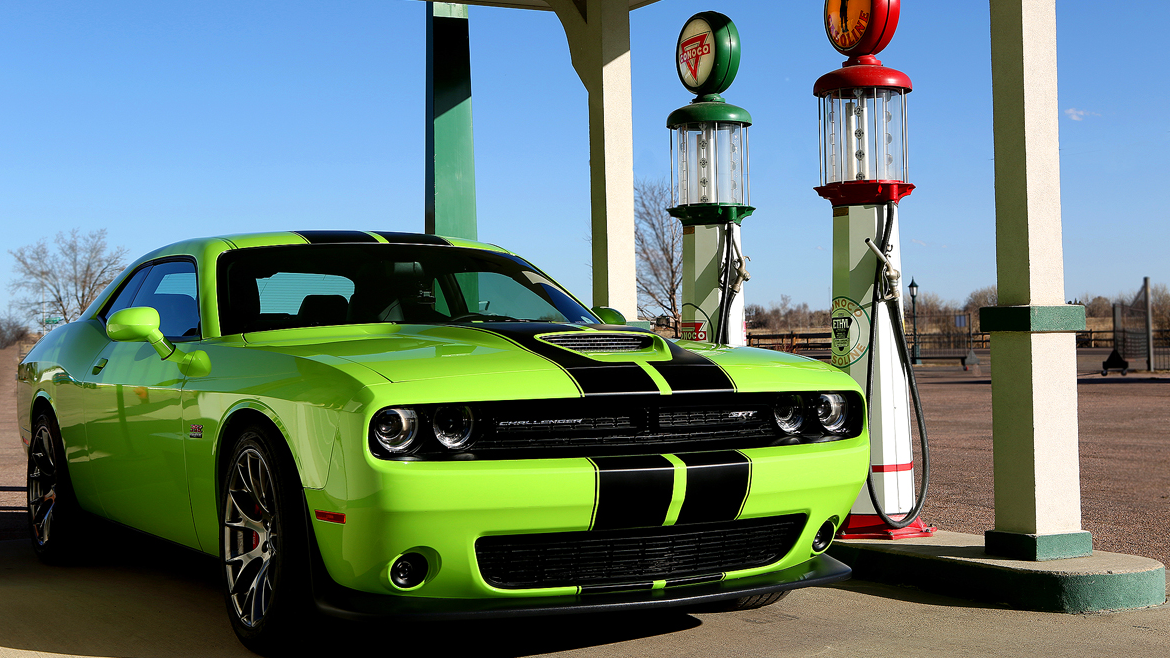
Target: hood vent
{"x": 589, "y": 341}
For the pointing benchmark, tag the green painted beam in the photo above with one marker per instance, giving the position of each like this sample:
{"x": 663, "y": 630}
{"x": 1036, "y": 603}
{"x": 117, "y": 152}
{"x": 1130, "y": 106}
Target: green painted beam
{"x": 450, "y": 155}
{"x": 1038, "y": 548}
{"x": 1035, "y": 319}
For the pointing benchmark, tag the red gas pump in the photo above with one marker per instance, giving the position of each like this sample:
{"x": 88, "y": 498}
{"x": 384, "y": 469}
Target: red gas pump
{"x": 864, "y": 175}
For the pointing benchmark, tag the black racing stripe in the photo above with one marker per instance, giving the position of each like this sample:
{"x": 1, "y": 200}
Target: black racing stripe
{"x": 632, "y": 492}
{"x": 604, "y": 589}
{"x": 689, "y": 372}
{"x": 694, "y": 580}
{"x": 335, "y": 237}
{"x": 594, "y": 377}
{"x": 394, "y": 237}
{"x": 717, "y": 484}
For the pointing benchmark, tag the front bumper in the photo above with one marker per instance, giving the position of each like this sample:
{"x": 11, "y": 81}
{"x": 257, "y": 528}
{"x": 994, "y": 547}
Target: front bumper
{"x": 441, "y": 509}
{"x": 337, "y": 601}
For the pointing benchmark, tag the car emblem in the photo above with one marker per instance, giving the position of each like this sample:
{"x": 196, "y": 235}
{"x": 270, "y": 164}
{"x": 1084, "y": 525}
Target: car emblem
{"x": 540, "y": 423}
{"x": 196, "y": 432}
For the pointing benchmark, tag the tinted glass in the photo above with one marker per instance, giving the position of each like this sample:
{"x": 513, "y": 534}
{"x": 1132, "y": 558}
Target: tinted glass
{"x": 334, "y": 284}
{"x": 171, "y": 289}
{"x": 125, "y": 296}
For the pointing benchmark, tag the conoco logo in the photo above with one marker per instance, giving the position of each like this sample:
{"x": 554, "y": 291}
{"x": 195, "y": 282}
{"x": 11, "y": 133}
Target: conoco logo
{"x": 691, "y": 51}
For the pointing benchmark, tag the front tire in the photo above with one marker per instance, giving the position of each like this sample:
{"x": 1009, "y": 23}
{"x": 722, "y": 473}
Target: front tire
{"x": 263, "y": 545}
{"x": 54, "y": 517}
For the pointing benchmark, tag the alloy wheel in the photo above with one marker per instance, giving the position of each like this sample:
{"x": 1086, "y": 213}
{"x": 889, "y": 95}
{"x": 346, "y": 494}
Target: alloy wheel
{"x": 249, "y": 536}
{"x": 42, "y": 484}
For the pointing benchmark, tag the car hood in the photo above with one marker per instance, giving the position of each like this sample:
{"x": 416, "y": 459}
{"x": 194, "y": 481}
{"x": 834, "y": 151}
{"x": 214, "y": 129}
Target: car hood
{"x": 402, "y": 353}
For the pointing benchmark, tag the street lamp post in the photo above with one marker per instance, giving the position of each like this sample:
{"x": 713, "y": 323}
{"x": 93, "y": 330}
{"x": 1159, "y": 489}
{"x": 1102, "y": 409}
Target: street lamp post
{"x": 914, "y": 311}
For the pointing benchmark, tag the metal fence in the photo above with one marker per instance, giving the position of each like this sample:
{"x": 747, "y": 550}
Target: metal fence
{"x": 947, "y": 346}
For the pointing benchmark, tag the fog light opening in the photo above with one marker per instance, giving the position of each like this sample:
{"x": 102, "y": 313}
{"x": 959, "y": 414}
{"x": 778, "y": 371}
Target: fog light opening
{"x": 409, "y": 571}
{"x": 824, "y": 536}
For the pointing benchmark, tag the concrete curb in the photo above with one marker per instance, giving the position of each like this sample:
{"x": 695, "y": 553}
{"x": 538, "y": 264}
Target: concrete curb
{"x": 956, "y": 565}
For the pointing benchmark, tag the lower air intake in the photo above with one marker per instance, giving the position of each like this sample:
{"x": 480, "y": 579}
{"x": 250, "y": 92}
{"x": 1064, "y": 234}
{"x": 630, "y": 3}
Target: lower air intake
{"x": 614, "y": 557}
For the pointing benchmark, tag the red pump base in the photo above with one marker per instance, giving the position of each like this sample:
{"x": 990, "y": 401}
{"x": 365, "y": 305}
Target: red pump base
{"x": 871, "y": 526}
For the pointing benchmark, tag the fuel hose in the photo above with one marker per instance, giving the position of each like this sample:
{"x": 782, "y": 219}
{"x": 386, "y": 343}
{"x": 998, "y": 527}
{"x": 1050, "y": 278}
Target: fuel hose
{"x": 907, "y": 368}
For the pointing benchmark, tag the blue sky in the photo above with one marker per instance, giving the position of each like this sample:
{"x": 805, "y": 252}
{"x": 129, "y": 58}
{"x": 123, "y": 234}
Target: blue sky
{"x": 163, "y": 121}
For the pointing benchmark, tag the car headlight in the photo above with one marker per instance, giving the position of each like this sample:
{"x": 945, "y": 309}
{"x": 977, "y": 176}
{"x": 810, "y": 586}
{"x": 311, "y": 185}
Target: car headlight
{"x": 394, "y": 429}
{"x": 789, "y": 412}
{"x": 832, "y": 411}
{"x": 453, "y": 426}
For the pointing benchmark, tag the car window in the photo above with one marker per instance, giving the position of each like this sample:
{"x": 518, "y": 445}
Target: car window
{"x": 171, "y": 289}
{"x": 499, "y": 294}
{"x": 125, "y": 296}
{"x": 285, "y": 292}
{"x": 282, "y": 287}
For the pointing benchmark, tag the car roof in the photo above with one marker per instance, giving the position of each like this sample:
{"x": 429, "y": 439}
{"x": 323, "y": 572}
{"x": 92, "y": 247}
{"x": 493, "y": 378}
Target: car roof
{"x": 279, "y": 238}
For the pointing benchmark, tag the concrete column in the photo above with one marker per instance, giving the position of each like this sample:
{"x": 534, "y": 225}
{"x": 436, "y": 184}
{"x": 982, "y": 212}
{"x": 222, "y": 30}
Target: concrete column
{"x": 599, "y": 42}
{"x": 449, "y": 207}
{"x": 1033, "y": 352}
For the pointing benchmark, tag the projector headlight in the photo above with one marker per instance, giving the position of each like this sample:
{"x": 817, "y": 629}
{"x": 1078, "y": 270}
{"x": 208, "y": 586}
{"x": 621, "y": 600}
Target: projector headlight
{"x": 832, "y": 412}
{"x": 453, "y": 426}
{"x": 394, "y": 430}
{"x": 789, "y": 412}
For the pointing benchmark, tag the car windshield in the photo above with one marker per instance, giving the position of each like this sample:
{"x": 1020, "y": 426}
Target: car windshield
{"x": 310, "y": 285}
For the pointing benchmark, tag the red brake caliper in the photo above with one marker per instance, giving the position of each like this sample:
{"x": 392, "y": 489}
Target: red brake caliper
{"x": 256, "y": 535}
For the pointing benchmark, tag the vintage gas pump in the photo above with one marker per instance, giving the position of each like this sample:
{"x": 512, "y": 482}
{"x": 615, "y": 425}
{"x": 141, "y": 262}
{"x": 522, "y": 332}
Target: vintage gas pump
{"x": 709, "y": 181}
{"x": 863, "y": 173}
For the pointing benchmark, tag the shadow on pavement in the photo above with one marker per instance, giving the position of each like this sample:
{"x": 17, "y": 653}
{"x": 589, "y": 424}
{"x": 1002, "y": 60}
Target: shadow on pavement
{"x": 134, "y": 595}
{"x": 911, "y": 595}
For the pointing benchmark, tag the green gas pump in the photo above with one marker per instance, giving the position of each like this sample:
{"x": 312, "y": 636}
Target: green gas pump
{"x": 709, "y": 181}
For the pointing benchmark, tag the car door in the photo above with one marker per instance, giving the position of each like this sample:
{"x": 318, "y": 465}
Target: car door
{"x": 133, "y": 413}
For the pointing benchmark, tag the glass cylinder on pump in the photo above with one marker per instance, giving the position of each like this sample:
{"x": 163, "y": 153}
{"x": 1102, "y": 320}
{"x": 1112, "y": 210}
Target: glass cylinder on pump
{"x": 709, "y": 163}
{"x": 863, "y": 135}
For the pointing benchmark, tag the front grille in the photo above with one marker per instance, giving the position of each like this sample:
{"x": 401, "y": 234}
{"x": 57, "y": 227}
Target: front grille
{"x": 632, "y": 427}
{"x": 599, "y": 342}
{"x": 639, "y": 555}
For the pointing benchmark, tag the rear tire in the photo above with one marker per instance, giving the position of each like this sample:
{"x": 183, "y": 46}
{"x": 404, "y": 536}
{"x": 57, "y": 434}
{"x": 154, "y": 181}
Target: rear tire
{"x": 263, "y": 545}
{"x": 54, "y": 517}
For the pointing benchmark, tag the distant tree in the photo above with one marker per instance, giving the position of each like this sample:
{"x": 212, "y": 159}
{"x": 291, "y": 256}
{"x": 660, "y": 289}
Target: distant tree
{"x": 1160, "y": 301}
{"x": 784, "y": 316}
{"x": 658, "y": 240}
{"x": 1098, "y": 307}
{"x": 69, "y": 275}
{"x": 12, "y": 330}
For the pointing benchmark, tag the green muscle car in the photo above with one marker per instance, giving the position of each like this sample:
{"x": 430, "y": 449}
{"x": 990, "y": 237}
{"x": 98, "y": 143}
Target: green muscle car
{"x": 377, "y": 424}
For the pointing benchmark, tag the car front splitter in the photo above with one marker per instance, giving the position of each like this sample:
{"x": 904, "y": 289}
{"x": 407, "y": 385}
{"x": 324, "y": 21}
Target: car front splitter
{"x": 337, "y": 601}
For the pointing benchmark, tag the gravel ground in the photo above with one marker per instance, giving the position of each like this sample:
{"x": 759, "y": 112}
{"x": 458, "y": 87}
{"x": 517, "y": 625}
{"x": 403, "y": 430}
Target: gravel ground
{"x": 1125, "y": 454}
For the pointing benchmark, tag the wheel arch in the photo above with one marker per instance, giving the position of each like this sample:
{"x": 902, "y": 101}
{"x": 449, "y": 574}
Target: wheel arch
{"x": 235, "y": 420}
{"x": 42, "y": 403}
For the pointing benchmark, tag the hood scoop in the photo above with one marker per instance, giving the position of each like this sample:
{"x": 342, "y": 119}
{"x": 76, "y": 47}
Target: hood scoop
{"x": 589, "y": 341}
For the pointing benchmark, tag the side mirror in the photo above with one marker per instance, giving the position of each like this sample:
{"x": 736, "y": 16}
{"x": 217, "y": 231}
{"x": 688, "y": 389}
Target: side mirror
{"x": 136, "y": 325}
{"x": 609, "y": 315}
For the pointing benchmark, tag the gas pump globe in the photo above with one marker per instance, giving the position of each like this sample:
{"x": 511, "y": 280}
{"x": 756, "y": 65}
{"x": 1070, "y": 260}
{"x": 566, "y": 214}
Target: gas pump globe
{"x": 710, "y": 186}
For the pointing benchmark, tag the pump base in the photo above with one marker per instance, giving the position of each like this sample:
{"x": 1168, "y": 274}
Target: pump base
{"x": 871, "y": 526}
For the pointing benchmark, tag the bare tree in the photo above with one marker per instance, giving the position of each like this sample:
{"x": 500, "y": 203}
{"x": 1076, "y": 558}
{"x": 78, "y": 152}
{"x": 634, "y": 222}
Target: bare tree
{"x": 68, "y": 275}
{"x": 658, "y": 240}
{"x": 12, "y": 330}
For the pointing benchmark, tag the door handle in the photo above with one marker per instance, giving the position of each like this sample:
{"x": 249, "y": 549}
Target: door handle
{"x": 100, "y": 364}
